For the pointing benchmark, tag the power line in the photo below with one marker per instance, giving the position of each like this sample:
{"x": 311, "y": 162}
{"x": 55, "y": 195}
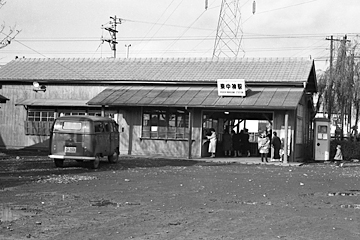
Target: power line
{"x": 167, "y": 18}
{"x": 71, "y": 70}
{"x": 294, "y": 5}
{"x": 185, "y": 31}
{"x": 164, "y": 38}
{"x": 153, "y": 25}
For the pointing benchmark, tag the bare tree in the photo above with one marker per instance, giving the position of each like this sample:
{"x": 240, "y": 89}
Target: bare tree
{"x": 343, "y": 88}
{"x": 346, "y": 87}
{"x": 320, "y": 99}
{"x": 356, "y": 98}
{"x": 8, "y": 35}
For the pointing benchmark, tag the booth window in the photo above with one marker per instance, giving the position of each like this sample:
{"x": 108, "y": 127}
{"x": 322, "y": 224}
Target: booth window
{"x": 165, "y": 124}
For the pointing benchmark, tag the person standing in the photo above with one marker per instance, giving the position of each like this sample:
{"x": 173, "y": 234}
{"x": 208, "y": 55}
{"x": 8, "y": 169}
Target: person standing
{"x": 263, "y": 146}
{"x": 227, "y": 143}
{"x": 246, "y": 143}
{"x": 338, "y": 156}
{"x": 241, "y": 142}
{"x": 236, "y": 143}
{"x": 212, "y": 145}
{"x": 276, "y": 143}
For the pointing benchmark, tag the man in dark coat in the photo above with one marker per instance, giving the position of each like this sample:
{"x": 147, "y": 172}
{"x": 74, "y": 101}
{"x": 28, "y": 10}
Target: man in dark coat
{"x": 276, "y": 143}
{"x": 245, "y": 142}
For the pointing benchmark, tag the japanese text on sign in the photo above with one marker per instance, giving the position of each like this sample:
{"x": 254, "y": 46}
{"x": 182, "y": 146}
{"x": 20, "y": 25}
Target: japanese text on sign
{"x": 231, "y": 87}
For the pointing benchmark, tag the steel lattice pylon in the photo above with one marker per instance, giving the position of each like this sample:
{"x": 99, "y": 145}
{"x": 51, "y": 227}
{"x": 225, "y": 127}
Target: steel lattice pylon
{"x": 229, "y": 32}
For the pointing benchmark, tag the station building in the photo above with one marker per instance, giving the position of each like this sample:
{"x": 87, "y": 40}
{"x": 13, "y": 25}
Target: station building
{"x": 164, "y": 107}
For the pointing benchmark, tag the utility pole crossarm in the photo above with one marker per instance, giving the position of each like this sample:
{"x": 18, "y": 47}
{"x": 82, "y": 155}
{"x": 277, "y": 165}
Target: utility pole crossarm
{"x": 112, "y": 31}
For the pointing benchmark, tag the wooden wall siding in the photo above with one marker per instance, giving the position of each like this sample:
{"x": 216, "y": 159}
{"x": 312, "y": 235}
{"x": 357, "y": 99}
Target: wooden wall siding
{"x": 12, "y": 118}
{"x": 38, "y": 128}
{"x": 197, "y": 134}
{"x": 302, "y": 150}
{"x": 124, "y": 120}
{"x": 174, "y": 149}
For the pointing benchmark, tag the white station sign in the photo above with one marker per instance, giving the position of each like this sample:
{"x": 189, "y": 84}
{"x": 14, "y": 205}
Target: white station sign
{"x": 231, "y": 87}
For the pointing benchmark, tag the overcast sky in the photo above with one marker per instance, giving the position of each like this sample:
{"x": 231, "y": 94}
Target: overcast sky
{"x": 175, "y": 28}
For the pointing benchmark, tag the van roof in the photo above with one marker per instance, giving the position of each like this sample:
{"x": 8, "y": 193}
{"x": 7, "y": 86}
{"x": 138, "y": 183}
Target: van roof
{"x": 84, "y": 118}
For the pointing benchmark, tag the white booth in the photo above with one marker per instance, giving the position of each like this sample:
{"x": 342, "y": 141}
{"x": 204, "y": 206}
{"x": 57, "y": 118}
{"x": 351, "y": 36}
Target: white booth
{"x": 322, "y": 139}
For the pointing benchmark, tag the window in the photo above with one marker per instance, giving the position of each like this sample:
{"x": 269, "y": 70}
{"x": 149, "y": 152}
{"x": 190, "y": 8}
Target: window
{"x": 72, "y": 113}
{"x": 39, "y": 120}
{"x": 209, "y": 122}
{"x": 99, "y": 127}
{"x": 41, "y": 115}
{"x": 165, "y": 124}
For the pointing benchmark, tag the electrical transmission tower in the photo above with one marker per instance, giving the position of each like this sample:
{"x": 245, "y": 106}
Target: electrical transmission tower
{"x": 112, "y": 30}
{"x": 229, "y": 32}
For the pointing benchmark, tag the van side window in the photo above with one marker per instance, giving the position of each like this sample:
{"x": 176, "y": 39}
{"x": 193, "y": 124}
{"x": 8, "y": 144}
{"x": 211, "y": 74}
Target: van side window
{"x": 99, "y": 127}
{"x": 108, "y": 127}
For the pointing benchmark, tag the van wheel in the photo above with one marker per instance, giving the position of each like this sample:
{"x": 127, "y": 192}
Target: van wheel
{"x": 95, "y": 163}
{"x": 114, "y": 157}
{"x": 59, "y": 163}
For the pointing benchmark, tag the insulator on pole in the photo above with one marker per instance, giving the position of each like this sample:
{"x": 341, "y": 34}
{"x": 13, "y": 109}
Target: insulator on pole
{"x": 206, "y": 4}
{"x": 254, "y": 7}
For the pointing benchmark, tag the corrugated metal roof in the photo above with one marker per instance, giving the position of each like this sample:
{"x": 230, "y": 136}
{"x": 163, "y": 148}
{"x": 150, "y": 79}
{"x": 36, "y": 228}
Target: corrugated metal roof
{"x": 205, "y": 97}
{"x": 53, "y": 102}
{"x": 158, "y": 70}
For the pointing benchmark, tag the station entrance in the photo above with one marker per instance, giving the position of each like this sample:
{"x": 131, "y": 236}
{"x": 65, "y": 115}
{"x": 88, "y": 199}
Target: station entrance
{"x": 233, "y": 122}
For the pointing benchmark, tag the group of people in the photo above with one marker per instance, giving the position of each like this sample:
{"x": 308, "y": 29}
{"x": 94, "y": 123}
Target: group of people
{"x": 233, "y": 144}
{"x": 265, "y": 144}
{"x": 237, "y": 144}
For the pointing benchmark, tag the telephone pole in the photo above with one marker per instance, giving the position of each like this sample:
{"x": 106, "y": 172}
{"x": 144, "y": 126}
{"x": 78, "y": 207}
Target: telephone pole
{"x": 112, "y": 31}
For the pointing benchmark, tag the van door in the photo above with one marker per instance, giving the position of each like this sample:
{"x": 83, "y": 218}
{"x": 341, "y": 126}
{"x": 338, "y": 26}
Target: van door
{"x": 115, "y": 137}
{"x": 102, "y": 139}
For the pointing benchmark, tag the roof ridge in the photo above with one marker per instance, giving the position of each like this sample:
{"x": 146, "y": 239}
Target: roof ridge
{"x": 173, "y": 59}
{"x": 169, "y": 60}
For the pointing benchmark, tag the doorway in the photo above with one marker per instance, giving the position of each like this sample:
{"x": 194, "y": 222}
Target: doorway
{"x": 237, "y": 121}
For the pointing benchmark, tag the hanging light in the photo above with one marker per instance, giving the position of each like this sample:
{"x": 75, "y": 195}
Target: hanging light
{"x": 39, "y": 87}
{"x": 254, "y": 7}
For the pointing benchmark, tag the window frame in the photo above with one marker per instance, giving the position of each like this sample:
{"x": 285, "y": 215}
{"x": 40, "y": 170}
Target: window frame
{"x": 33, "y": 125}
{"x": 165, "y": 123}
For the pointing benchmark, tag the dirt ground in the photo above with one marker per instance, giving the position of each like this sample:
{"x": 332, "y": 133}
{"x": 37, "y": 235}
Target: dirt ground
{"x": 173, "y": 199}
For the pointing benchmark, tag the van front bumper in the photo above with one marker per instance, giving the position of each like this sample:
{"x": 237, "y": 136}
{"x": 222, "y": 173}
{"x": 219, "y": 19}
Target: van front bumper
{"x": 71, "y": 157}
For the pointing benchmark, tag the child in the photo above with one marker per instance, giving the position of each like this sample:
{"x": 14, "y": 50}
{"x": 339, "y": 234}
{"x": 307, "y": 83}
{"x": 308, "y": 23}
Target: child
{"x": 338, "y": 156}
{"x": 263, "y": 146}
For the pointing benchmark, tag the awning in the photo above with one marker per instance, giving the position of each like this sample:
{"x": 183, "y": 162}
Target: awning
{"x": 204, "y": 97}
{"x": 54, "y": 103}
{"x": 3, "y": 99}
